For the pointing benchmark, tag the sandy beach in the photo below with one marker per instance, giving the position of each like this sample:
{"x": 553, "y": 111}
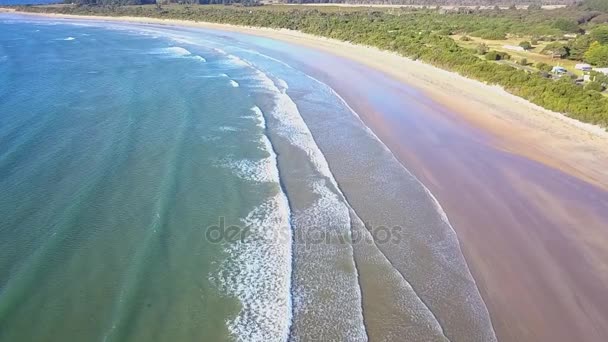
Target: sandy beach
{"x": 525, "y": 189}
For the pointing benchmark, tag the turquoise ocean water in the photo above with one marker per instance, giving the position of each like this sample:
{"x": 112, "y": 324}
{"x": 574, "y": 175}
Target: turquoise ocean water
{"x": 156, "y": 182}
{"x": 118, "y": 149}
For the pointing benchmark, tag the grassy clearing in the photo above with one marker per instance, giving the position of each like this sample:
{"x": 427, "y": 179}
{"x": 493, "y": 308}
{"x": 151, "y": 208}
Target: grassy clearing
{"x": 533, "y": 56}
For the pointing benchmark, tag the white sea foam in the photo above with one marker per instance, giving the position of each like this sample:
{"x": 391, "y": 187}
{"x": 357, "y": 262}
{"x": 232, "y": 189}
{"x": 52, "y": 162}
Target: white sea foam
{"x": 249, "y": 169}
{"x": 227, "y": 129}
{"x": 257, "y": 170}
{"x": 212, "y": 76}
{"x": 69, "y": 38}
{"x": 292, "y": 126}
{"x": 237, "y": 61}
{"x": 259, "y": 116}
{"x": 180, "y": 51}
{"x": 329, "y": 211}
{"x": 258, "y": 270}
{"x": 234, "y": 83}
{"x": 444, "y": 217}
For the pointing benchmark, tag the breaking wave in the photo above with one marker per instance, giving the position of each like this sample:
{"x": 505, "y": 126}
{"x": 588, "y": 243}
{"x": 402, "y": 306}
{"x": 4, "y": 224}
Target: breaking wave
{"x": 258, "y": 270}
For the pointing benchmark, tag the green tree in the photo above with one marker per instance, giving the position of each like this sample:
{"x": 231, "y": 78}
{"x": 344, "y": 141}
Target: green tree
{"x": 600, "y": 34}
{"x": 597, "y": 54}
{"x": 526, "y": 45}
{"x": 566, "y": 25}
{"x": 579, "y": 46}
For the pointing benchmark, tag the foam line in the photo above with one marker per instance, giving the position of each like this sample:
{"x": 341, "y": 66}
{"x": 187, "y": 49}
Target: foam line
{"x": 438, "y": 207}
{"x": 293, "y": 128}
{"x": 436, "y": 203}
{"x": 258, "y": 271}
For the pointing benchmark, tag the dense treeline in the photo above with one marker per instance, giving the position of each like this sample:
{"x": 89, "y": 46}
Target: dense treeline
{"x": 111, "y": 2}
{"x": 597, "y": 5}
{"x": 444, "y": 2}
{"x": 414, "y": 33}
{"x": 358, "y": 2}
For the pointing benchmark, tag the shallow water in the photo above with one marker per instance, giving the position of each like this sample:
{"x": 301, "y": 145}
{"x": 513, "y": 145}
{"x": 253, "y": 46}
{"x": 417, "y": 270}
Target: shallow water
{"x": 176, "y": 184}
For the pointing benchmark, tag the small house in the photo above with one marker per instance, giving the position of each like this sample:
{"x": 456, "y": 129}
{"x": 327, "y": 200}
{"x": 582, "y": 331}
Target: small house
{"x": 559, "y": 70}
{"x": 583, "y": 67}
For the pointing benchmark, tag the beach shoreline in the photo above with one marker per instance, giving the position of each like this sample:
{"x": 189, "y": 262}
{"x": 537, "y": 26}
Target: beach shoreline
{"x": 525, "y": 223}
{"x": 518, "y": 125}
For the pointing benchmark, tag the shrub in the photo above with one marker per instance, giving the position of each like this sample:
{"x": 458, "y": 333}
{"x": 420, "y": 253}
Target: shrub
{"x": 544, "y": 67}
{"x": 526, "y": 45}
{"x": 523, "y": 61}
{"x": 444, "y": 32}
{"x": 465, "y": 39}
{"x": 504, "y": 55}
{"x": 556, "y": 49}
{"x": 599, "y": 77}
{"x": 492, "y": 56}
{"x": 482, "y": 49}
{"x": 597, "y": 86}
{"x": 497, "y": 55}
{"x": 490, "y": 34}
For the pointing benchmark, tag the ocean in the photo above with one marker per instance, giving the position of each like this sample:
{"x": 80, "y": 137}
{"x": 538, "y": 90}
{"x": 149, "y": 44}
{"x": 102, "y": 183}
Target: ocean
{"x": 172, "y": 184}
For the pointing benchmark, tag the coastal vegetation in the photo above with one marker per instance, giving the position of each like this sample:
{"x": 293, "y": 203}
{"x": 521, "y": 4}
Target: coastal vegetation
{"x": 428, "y": 35}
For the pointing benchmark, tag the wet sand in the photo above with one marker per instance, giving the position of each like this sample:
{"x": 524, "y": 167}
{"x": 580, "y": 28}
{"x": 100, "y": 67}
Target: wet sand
{"x": 535, "y": 237}
{"x": 526, "y": 190}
